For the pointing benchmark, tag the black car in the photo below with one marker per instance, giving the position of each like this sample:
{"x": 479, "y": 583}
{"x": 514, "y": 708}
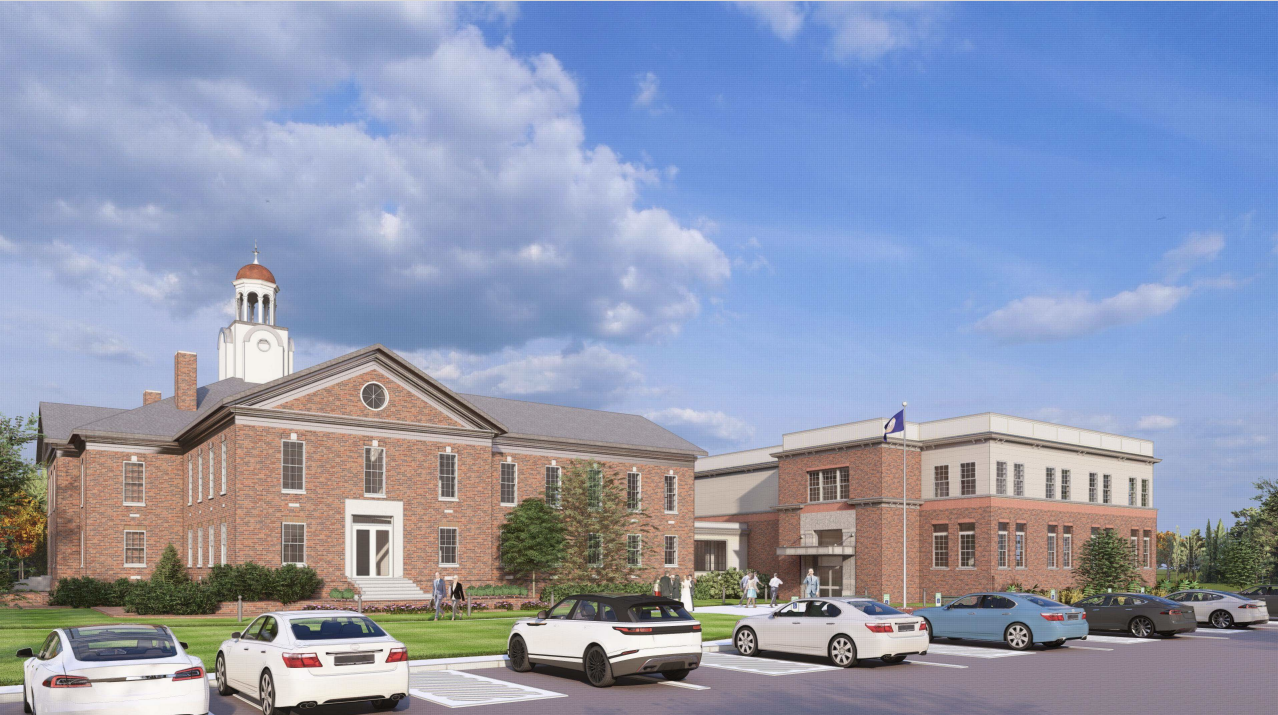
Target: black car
{"x": 1268, "y": 594}
{"x": 1140, "y": 614}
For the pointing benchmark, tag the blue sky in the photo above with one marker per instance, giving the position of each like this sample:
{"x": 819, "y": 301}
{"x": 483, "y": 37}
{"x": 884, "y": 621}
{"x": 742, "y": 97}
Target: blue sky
{"x": 738, "y": 219}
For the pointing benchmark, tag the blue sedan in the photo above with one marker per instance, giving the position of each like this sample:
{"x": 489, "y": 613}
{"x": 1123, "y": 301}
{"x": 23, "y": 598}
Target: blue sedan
{"x": 1018, "y": 619}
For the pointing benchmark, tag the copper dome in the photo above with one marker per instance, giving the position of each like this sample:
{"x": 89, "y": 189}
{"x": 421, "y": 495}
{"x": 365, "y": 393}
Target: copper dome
{"x": 256, "y": 271}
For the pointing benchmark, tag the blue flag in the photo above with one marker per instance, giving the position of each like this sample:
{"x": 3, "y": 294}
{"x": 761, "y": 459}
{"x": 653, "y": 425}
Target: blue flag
{"x": 894, "y": 425}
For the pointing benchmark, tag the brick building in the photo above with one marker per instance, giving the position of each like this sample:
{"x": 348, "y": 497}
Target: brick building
{"x": 988, "y": 500}
{"x": 363, "y": 467}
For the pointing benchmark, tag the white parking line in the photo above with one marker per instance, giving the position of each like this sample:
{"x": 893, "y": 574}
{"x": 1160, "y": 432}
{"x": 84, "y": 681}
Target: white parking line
{"x": 939, "y": 665}
{"x": 1225, "y": 630}
{"x": 967, "y": 651}
{"x": 1085, "y": 647}
{"x": 462, "y": 689}
{"x": 1209, "y": 638}
{"x": 243, "y": 699}
{"x": 689, "y": 686}
{"x": 759, "y": 666}
{"x": 1124, "y": 640}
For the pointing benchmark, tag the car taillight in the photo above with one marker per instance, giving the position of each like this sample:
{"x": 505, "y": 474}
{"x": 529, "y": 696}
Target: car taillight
{"x": 1053, "y": 616}
{"x": 1083, "y": 615}
{"x": 879, "y": 627}
{"x": 1249, "y": 605}
{"x": 189, "y": 674}
{"x": 696, "y": 627}
{"x": 302, "y": 660}
{"x": 631, "y": 631}
{"x": 397, "y": 655}
{"x": 922, "y": 625}
{"x": 1172, "y": 612}
{"x": 67, "y": 681}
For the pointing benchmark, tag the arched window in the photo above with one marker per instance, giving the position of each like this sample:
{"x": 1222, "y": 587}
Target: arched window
{"x": 253, "y": 306}
{"x": 267, "y": 317}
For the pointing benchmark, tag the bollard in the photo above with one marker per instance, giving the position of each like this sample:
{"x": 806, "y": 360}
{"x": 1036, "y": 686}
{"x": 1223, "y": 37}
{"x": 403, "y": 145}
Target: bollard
{"x": 239, "y": 608}
{"x": 359, "y": 603}
{"x": 468, "y": 607}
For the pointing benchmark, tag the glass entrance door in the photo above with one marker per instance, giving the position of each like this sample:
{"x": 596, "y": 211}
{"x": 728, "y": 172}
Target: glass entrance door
{"x": 829, "y": 571}
{"x": 372, "y": 546}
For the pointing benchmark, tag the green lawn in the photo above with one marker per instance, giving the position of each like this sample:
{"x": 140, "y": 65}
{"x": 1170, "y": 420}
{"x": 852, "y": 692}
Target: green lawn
{"x": 483, "y": 634}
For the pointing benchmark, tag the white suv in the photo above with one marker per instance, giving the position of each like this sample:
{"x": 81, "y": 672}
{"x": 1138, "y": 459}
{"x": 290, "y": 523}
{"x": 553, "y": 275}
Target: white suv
{"x": 609, "y": 635}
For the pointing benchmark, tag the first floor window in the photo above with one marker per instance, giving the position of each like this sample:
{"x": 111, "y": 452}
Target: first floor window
{"x": 211, "y": 546}
{"x": 1002, "y": 545}
{"x": 672, "y": 494}
{"x": 135, "y": 548}
{"x": 1050, "y": 478}
{"x": 293, "y": 550}
{"x": 1018, "y": 480}
{"x": 1091, "y": 487}
{"x": 1067, "y": 547}
{"x": 135, "y": 483}
{"x": 711, "y": 555}
{"x": 1020, "y": 546}
{"x": 967, "y": 546}
{"x": 447, "y": 476}
{"x": 634, "y": 491}
{"x": 1144, "y": 554}
{"x": 941, "y": 480}
{"x": 634, "y": 549}
{"x": 552, "y": 486}
{"x": 82, "y": 547}
{"x": 223, "y": 559}
{"x": 190, "y": 548}
{"x": 199, "y": 547}
{"x": 940, "y": 546}
{"x": 374, "y": 471}
{"x": 1065, "y": 484}
{"x": 1000, "y": 478}
{"x": 594, "y": 550}
{"x": 1051, "y": 547}
{"x": 509, "y": 483}
{"x": 672, "y": 550}
{"x": 447, "y": 546}
{"x": 967, "y": 478}
{"x": 293, "y": 466}
{"x": 1144, "y": 492}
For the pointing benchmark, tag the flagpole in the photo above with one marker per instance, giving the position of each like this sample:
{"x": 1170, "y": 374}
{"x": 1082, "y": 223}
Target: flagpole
{"x": 905, "y": 514}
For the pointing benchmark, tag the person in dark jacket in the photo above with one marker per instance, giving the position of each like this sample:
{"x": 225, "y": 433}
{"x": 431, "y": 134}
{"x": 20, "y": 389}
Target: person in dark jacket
{"x": 459, "y": 596}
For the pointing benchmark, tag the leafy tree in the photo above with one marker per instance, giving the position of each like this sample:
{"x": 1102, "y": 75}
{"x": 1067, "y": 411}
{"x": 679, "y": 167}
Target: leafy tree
{"x": 1167, "y": 550}
{"x": 532, "y": 540}
{"x": 16, "y": 473}
{"x": 596, "y": 523}
{"x": 22, "y": 526}
{"x": 1262, "y": 521}
{"x": 170, "y": 568}
{"x": 1105, "y": 561}
{"x": 1243, "y": 561}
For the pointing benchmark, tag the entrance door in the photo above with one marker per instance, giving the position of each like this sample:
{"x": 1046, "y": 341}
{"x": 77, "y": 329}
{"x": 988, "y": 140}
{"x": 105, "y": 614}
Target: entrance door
{"x": 829, "y": 571}
{"x": 372, "y": 546}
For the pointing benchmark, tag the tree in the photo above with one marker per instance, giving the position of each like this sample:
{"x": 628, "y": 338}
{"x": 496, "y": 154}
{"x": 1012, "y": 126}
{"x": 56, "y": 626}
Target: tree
{"x": 16, "y": 473}
{"x": 22, "y": 518}
{"x": 532, "y": 540}
{"x": 597, "y": 522}
{"x": 1105, "y": 561}
{"x": 1262, "y": 521}
{"x": 1243, "y": 561}
{"x": 22, "y": 526}
{"x": 170, "y": 569}
{"x": 1167, "y": 550}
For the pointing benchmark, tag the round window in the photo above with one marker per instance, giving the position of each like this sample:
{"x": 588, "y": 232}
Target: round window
{"x": 264, "y": 345}
{"x": 374, "y": 396}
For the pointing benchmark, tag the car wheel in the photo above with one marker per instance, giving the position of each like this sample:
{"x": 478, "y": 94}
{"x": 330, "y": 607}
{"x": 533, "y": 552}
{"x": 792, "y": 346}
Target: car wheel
{"x": 1017, "y": 636}
{"x": 676, "y": 675}
{"x": 893, "y": 658}
{"x": 266, "y": 696}
{"x": 1221, "y": 619}
{"x": 518, "y": 654}
{"x": 387, "y": 704}
{"x": 223, "y": 687}
{"x": 1141, "y": 627}
{"x": 842, "y": 651}
{"x": 1055, "y": 644}
{"x": 747, "y": 642}
{"x": 598, "y": 669}
{"x": 26, "y": 706}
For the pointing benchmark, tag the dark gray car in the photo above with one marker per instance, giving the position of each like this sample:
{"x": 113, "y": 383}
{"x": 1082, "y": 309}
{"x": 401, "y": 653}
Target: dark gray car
{"x": 1268, "y": 594}
{"x": 1139, "y": 614}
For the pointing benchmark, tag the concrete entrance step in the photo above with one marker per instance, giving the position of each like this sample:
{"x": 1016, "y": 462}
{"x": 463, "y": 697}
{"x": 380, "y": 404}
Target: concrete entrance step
{"x": 389, "y": 589}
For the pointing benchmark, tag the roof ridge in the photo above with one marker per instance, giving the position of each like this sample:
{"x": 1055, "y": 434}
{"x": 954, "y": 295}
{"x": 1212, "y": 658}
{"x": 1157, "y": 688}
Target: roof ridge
{"x": 552, "y": 404}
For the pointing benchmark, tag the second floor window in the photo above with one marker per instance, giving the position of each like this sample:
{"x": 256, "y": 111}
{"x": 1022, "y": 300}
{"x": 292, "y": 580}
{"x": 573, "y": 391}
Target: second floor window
{"x": 552, "y": 486}
{"x": 1091, "y": 487}
{"x": 211, "y": 471}
{"x": 374, "y": 471}
{"x": 1065, "y": 484}
{"x": 634, "y": 493}
{"x": 967, "y": 546}
{"x": 1018, "y": 480}
{"x": 1000, "y": 478}
{"x": 828, "y": 484}
{"x": 135, "y": 483}
{"x": 1105, "y": 490}
{"x": 672, "y": 493}
{"x": 967, "y": 478}
{"x": 1144, "y": 492}
{"x": 941, "y": 480}
{"x": 1050, "y": 481}
{"x": 447, "y": 476}
{"x": 509, "y": 483}
{"x": 189, "y": 489}
{"x": 199, "y": 482}
{"x": 292, "y": 466}
{"x": 1002, "y": 545}
{"x": 223, "y": 465}
{"x": 1131, "y": 491}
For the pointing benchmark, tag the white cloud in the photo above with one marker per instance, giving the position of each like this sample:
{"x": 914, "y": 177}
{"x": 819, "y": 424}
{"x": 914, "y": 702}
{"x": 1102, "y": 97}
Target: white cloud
{"x": 1195, "y": 250}
{"x": 647, "y": 94}
{"x": 784, "y": 19}
{"x": 7, "y": 246}
{"x": 187, "y": 151}
{"x": 1156, "y": 422}
{"x": 1046, "y": 318}
{"x": 865, "y": 32}
{"x": 698, "y": 424}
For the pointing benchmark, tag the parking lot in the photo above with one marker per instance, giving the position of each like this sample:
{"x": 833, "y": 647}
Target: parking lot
{"x": 1209, "y": 671}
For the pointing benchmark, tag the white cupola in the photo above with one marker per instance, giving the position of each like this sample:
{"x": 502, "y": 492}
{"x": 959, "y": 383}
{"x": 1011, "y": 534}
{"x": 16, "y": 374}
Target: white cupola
{"x": 253, "y": 348}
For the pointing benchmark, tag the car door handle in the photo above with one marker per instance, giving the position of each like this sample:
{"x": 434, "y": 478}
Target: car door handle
{"x": 536, "y": 624}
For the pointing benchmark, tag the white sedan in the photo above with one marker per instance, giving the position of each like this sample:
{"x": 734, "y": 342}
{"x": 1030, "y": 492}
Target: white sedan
{"x": 607, "y": 636}
{"x": 842, "y": 629}
{"x": 307, "y": 658}
{"x": 1222, "y": 609}
{"x": 113, "y": 669}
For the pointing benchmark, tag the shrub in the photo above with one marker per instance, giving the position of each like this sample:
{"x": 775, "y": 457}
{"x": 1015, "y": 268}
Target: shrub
{"x": 170, "y": 568}
{"x": 716, "y": 583}
{"x": 555, "y": 591}
{"x": 292, "y": 583}
{"x": 1069, "y": 596}
{"x": 533, "y": 606}
{"x": 339, "y": 594}
{"x": 85, "y": 592}
{"x": 500, "y": 590}
{"x": 177, "y": 599}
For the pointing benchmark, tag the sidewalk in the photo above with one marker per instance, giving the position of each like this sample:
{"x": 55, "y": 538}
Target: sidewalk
{"x": 761, "y": 609}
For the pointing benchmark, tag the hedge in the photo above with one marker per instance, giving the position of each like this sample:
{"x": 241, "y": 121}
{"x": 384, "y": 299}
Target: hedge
{"x": 176, "y": 599}
{"x": 88, "y": 592}
{"x": 548, "y": 593}
{"x": 287, "y": 584}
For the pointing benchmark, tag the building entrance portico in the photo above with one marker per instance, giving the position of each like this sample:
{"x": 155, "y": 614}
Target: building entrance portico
{"x": 372, "y": 545}
{"x": 374, "y": 538}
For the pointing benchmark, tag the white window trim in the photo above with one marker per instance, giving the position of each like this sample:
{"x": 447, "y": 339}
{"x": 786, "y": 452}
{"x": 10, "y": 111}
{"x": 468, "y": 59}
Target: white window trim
{"x": 81, "y": 546}
{"x": 212, "y": 471}
{"x": 83, "y": 458}
{"x": 293, "y": 523}
{"x": 665, "y": 549}
{"x": 514, "y": 466}
{"x": 599, "y": 538}
{"x": 385, "y": 470}
{"x": 190, "y": 549}
{"x": 223, "y": 543}
{"x": 199, "y": 548}
{"x": 936, "y": 552}
{"x": 190, "y": 490}
{"x": 559, "y": 486}
{"x": 1001, "y": 552}
{"x": 966, "y": 532}
{"x": 439, "y": 478}
{"x": 303, "y": 489}
{"x": 123, "y": 469}
{"x": 456, "y": 545}
{"x": 638, "y": 552}
{"x": 128, "y": 565}
{"x": 384, "y": 390}
{"x": 639, "y": 503}
{"x": 212, "y": 546}
{"x": 666, "y": 490}
{"x": 199, "y": 477}
{"x": 224, "y": 464}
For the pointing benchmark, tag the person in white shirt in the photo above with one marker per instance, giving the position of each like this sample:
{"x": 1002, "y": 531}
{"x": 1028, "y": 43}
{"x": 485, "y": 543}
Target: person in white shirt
{"x": 774, "y": 586}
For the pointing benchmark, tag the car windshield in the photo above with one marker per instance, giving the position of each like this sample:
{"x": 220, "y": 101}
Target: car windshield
{"x": 659, "y": 612}
{"x": 325, "y": 628}
{"x": 874, "y": 608}
{"x": 1043, "y": 602}
{"x": 123, "y": 642}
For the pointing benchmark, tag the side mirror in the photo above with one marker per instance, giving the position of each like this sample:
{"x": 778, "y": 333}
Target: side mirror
{"x": 25, "y": 653}
{"x": 541, "y": 615}
{"x": 235, "y": 636}
{"x": 184, "y": 645}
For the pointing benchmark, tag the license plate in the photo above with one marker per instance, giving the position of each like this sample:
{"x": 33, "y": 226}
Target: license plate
{"x": 1071, "y": 616}
{"x": 903, "y": 627}
{"x": 356, "y": 659}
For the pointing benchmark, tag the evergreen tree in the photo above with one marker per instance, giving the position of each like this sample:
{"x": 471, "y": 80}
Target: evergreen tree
{"x": 1243, "y": 562}
{"x": 596, "y": 522}
{"x": 1105, "y": 561}
{"x": 170, "y": 568}
{"x": 532, "y": 540}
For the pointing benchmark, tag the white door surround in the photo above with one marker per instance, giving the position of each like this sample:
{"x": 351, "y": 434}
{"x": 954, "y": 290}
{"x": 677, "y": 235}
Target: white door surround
{"x": 374, "y": 535}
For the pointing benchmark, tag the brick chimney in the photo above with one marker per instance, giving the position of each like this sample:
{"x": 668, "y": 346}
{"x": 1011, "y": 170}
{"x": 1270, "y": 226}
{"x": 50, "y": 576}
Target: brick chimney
{"x": 149, "y": 396}
{"x": 184, "y": 380}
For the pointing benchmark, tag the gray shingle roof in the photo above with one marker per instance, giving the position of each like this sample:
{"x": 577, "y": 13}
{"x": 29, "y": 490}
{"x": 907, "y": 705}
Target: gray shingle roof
{"x": 163, "y": 419}
{"x": 58, "y": 420}
{"x": 579, "y": 424}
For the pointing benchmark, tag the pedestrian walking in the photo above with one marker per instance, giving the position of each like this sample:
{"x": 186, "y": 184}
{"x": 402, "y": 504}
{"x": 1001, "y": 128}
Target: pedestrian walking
{"x": 774, "y": 586}
{"x": 810, "y": 584}
{"x": 685, "y": 593}
{"x": 438, "y": 592}
{"x": 666, "y": 589}
{"x": 745, "y": 584}
{"x": 459, "y": 595}
{"x": 752, "y": 590}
